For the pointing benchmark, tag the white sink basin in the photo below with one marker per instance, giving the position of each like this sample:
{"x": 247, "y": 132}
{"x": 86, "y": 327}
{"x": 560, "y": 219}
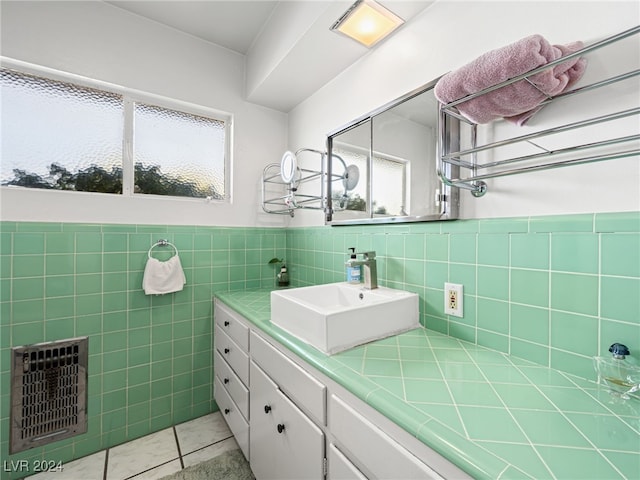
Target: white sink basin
{"x": 337, "y": 316}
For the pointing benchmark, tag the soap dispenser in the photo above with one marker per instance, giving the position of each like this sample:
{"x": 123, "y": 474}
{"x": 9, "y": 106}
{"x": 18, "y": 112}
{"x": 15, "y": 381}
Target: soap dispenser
{"x": 617, "y": 372}
{"x": 353, "y": 270}
{"x": 283, "y": 277}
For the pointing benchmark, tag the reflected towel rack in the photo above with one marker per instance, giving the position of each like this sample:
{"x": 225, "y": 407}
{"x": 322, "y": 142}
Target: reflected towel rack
{"x": 162, "y": 243}
{"x": 458, "y": 152}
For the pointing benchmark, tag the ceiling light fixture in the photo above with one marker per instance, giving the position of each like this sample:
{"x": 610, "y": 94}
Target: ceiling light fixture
{"x": 367, "y": 22}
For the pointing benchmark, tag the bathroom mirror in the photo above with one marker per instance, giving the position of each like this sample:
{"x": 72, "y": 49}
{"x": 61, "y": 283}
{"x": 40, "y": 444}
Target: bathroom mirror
{"x": 382, "y": 166}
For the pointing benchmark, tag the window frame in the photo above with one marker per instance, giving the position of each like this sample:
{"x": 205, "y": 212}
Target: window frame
{"x": 130, "y": 97}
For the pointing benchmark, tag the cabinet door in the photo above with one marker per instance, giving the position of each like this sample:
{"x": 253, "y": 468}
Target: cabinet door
{"x": 284, "y": 443}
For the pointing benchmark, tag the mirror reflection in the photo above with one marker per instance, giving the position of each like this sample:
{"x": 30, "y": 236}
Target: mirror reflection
{"x": 384, "y": 165}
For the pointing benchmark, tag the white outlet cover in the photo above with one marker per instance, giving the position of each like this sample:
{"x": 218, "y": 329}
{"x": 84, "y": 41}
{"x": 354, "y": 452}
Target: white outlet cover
{"x": 457, "y": 290}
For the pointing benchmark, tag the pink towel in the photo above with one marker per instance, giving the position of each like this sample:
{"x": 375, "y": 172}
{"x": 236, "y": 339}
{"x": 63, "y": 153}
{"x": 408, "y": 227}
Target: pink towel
{"x": 519, "y": 101}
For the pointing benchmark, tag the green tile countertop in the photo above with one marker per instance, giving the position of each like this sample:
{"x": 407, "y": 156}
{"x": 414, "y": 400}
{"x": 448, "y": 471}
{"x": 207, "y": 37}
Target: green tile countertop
{"x": 494, "y": 416}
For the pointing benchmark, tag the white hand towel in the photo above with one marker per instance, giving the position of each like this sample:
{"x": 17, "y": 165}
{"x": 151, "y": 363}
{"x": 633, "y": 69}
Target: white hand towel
{"x": 163, "y": 277}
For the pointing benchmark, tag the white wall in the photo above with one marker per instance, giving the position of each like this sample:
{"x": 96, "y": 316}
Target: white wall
{"x": 100, "y": 41}
{"x": 446, "y": 36}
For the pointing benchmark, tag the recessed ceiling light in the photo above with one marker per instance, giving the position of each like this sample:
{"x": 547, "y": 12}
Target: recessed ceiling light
{"x": 367, "y": 22}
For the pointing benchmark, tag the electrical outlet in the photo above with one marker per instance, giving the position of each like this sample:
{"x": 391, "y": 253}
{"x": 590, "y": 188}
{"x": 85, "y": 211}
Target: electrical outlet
{"x": 453, "y": 299}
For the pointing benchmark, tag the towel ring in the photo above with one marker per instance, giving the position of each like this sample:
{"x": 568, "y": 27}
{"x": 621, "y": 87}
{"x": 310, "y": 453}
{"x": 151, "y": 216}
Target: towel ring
{"x": 162, "y": 243}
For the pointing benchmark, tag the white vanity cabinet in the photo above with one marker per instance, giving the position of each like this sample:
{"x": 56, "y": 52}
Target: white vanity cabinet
{"x": 294, "y": 422}
{"x": 231, "y": 365}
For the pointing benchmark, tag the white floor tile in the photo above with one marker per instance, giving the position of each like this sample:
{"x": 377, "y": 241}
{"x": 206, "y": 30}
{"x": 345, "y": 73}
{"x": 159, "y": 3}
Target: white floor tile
{"x": 161, "y": 471}
{"x": 87, "y": 468}
{"x": 156, "y": 454}
{"x": 209, "y": 452}
{"x": 141, "y": 454}
{"x": 201, "y": 432}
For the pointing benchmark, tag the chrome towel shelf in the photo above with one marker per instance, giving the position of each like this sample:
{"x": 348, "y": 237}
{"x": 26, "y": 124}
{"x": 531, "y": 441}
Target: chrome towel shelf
{"x": 465, "y": 161}
{"x": 281, "y": 182}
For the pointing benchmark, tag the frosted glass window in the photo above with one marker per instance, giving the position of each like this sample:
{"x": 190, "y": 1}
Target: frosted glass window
{"x": 58, "y": 135}
{"x": 177, "y": 153}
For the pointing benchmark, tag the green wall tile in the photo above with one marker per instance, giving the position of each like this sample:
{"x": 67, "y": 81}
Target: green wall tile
{"x": 28, "y": 266}
{"x": 436, "y": 274}
{"x": 493, "y": 250}
{"x": 530, "y": 251}
{"x": 493, "y": 340}
{"x": 572, "y": 363}
{"x": 60, "y": 264}
{"x": 465, "y": 275}
{"x": 504, "y": 225}
{"x": 414, "y": 246}
{"x": 60, "y": 243}
{"x": 437, "y": 247}
{"x": 562, "y": 223}
{"x": 493, "y": 315}
{"x": 529, "y": 323}
{"x": 620, "y": 298}
{"x": 462, "y": 248}
{"x": 618, "y": 222}
{"x": 574, "y": 293}
{"x": 574, "y": 333}
{"x": 28, "y": 243}
{"x": 493, "y": 282}
{"x": 575, "y": 252}
{"x": 458, "y": 226}
{"x": 27, "y": 288}
{"x": 621, "y": 254}
{"x": 530, "y": 287}
{"x": 88, "y": 283}
{"x": 60, "y": 285}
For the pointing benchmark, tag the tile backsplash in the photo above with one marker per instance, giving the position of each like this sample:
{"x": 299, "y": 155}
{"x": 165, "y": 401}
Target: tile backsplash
{"x": 554, "y": 290}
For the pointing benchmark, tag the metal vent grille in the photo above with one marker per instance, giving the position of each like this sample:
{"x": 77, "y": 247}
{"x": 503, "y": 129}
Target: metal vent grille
{"x": 48, "y": 392}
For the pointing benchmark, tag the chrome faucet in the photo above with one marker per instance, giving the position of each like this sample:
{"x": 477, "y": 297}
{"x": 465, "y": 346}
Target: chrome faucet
{"x": 370, "y": 268}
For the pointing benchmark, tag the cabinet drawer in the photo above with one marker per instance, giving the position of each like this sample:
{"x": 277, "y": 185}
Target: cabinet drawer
{"x": 233, "y": 354}
{"x": 232, "y": 324}
{"x": 232, "y": 384}
{"x": 370, "y": 447}
{"x": 339, "y": 466}
{"x": 291, "y": 378}
{"x": 237, "y": 424}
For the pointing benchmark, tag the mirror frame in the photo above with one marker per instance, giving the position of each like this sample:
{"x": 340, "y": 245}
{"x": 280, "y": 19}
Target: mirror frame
{"x": 448, "y": 198}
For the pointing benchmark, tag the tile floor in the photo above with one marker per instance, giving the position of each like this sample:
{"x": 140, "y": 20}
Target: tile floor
{"x": 154, "y": 456}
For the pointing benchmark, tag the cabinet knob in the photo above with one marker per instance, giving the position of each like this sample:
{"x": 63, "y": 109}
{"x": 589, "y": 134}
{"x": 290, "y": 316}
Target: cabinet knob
{"x": 226, "y": 323}
{"x": 226, "y": 350}
{"x": 226, "y": 380}
{"x": 226, "y": 411}
{"x": 267, "y": 408}
{"x": 280, "y": 427}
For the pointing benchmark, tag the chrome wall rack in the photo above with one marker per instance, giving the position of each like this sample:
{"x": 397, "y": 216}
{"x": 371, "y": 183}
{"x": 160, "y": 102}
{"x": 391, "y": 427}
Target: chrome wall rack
{"x": 476, "y": 161}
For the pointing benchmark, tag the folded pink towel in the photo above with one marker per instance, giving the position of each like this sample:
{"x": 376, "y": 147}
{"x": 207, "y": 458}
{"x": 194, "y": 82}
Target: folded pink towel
{"x": 519, "y": 101}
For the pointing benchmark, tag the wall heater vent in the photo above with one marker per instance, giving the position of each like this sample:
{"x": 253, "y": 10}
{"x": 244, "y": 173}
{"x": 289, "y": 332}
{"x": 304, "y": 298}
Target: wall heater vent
{"x": 48, "y": 392}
